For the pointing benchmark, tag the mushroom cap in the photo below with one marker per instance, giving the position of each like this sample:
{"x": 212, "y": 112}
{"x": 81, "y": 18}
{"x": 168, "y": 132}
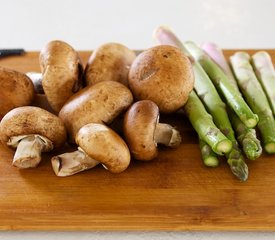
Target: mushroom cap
{"x": 109, "y": 62}
{"x": 16, "y": 90}
{"x": 62, "y": 72}
{"x": 32, "y": 120}
{"x": 103, "y": 144}
{"x": 99, "y": 103}
{"x": 164, "y": 75}
{"x": 139, "y": 127}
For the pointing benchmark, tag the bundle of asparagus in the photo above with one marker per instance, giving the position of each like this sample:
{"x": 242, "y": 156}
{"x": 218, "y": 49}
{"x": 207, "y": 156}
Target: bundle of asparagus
{"x": 214, "y": 84}
{"x": 246, "y": 136}
{"x": 223, "y": 85}
{"x": 255, "y": 97}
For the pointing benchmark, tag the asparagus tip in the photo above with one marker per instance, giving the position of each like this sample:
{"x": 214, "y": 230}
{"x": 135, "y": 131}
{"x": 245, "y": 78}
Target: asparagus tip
{"x": 252, "y": 149}
{"x": 161, "y": 27}
{"x": 239, "y": 169}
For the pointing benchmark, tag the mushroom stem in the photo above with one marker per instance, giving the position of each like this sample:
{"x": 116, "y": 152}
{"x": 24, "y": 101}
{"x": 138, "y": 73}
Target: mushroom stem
{"x": 28, "y": 149}
{"x": 167, "y": 135}
{"x": 67, "y": 164}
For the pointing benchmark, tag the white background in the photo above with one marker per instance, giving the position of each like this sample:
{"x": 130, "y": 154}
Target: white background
{"x": 87, "y": 24}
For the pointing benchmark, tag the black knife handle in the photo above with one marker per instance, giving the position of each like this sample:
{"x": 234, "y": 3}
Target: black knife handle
{"x": 11, "y": 52}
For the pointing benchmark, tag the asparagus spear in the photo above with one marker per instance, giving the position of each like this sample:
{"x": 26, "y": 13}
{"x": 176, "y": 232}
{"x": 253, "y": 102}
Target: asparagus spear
{"x": 203, "y": 123}
{"x": 209, "y": 157}
{"x": 265, "y": 72}
{"x": 208, "y": 94}
{"x": 246, "y": 136}
{"x": 218, "y": 77}
{"x": 255, "y": 97}
{"x": 217, "y": 55}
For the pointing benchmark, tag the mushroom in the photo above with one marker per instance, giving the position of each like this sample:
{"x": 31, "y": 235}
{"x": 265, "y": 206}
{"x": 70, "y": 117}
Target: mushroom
{"x": 164, "y": 75}
{"x": 109, "y": 62}
{"x": 62, "y": 72}
{"x": 36, "y": 79}
{"x": 99, "y": 103}
{"x": 97, "y": 144}
{"x": 143, "y": 132}
{"x": 16, "y": 90}
{"x": 31, "y": 130}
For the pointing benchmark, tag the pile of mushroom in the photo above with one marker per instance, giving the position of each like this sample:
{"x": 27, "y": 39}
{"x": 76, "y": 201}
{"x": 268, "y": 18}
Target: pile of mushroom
{"x": 97, "y": 104}
{"x": 160, "y": 79}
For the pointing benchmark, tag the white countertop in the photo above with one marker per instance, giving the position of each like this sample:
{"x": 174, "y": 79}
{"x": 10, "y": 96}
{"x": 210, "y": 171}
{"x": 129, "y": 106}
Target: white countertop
{"x": 87, "y": 24}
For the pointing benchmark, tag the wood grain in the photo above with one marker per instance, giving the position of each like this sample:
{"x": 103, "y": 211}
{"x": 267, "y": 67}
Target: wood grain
{"x": 173, "y": 192}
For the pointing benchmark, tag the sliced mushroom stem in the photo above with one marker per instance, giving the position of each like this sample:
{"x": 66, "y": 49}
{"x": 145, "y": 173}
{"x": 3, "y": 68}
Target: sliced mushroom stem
{"x": 28, "y": 149}
{"x": 167, "y": 135}
{"x": 67, "y": 164}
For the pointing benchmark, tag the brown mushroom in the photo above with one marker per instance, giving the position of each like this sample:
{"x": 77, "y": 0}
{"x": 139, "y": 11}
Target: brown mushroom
{"x": 16, "y": 90}
{"x": 31, "y": 130}
{"x": 62, "y": 72}
{"x": 99, "y": 103}
{"x": 97, "y": 144}
{"x": 143, "y": 132}
{"x": 109, "y": 62}
{"x": 164, "y": 75}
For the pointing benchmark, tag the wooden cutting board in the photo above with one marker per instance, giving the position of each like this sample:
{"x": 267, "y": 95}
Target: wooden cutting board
{"x": 173, "y": 192}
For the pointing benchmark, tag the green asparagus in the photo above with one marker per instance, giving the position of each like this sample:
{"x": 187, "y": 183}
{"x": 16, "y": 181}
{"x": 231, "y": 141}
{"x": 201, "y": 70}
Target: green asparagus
{"x": 265, "y": 72}
{"x": 255, "y": 97}
{"x": 216, "y": 54}
{"x": 216, "y": 107}
{"x": 246, "y": 136}
{"x": 203, "y": 123}
{"x": 209, "y": 158}
{"x": 220, "y": 80}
